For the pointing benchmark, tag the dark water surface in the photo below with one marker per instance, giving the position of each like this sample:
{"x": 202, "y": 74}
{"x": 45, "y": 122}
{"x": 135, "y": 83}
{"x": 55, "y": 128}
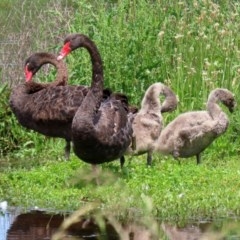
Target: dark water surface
{"x": 39, "y": 225}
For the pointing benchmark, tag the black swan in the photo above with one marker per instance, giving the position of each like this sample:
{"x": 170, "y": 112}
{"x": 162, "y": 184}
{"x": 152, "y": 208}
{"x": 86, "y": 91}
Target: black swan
{"x": 148, "y": 122}
{"x": 47, "y": 108}
{"x": 192, "y": 132}
{"x": 36, "y": 61}
{"x": 103, "y": 132}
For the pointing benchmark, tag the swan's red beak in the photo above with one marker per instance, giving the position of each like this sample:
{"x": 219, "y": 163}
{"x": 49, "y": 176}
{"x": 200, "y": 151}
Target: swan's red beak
{"x": 28, "y": 74}
{"x": 66, "y": 49}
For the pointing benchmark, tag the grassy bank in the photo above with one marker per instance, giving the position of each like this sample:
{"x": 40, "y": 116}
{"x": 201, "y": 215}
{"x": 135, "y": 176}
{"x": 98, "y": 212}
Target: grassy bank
{"x": 168, "y": 190}
{"x": 191, "y": 47}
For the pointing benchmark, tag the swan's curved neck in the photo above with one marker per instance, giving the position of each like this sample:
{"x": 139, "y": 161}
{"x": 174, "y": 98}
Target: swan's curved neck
{"x": 61, "y": 77}
{"x": 84, "y": 120}
{"x": 152, "y": 102}
{"x": 62, "y": 74}
{"x": 97, "y": 66}
{"x": 212, "y": 106}
{"x": 170, "y": 102}
{"x": 151, "y": 99}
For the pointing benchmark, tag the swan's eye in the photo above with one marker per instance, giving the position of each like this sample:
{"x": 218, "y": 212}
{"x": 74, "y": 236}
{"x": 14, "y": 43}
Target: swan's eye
{"x": 230, "y": 102}
{"x": 27, "y": 65}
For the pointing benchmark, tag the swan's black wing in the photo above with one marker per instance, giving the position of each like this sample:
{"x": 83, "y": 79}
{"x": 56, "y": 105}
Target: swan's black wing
{"x": 56, "y": 104}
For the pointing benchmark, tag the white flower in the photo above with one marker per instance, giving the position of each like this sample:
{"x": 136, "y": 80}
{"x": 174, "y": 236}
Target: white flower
{"x": 180, "y": 195}
{"x": 179, "y": 36}
{"x": 160, "y": 34}
{"x": 191, "y": 49}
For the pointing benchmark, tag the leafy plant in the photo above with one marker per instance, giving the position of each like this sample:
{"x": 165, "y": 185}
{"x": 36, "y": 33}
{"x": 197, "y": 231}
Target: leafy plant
{"x": 193, "y": 47}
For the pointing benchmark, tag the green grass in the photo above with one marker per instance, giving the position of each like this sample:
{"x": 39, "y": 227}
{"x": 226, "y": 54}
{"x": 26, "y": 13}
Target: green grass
{"x": 171, "y": 190}
{"x": 193, "y": 47}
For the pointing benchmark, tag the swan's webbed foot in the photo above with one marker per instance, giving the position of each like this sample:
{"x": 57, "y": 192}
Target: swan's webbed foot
{"x": 67, "y": 149}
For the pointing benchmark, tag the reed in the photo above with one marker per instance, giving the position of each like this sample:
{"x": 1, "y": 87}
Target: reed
{"x": 193, "y": 47}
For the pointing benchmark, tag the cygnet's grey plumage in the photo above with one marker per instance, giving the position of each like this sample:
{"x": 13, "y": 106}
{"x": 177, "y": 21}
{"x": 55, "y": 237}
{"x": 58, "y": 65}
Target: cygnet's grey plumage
{"x": 148, "y": 122}
{"x": 192, "y": 132}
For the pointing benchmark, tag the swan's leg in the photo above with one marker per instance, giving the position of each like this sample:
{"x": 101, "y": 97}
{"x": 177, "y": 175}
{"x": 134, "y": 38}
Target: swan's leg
{"x": 176, "y": 155}
{"x": 198, "y": 156}
{"x": 149, "y": 158}
{"x": 134, "y": 145}
{"x": 67, "y": 149}
{"x": 122, "y": 161}
{"x": 96, "y": 173}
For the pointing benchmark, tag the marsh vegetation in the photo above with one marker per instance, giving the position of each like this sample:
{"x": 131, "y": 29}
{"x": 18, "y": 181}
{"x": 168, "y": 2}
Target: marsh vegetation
{"x": 191, "y": 46}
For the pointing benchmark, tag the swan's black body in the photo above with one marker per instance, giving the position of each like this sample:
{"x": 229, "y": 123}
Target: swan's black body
{"x": 47, "y": 108}
{"x": 103, "y": 132}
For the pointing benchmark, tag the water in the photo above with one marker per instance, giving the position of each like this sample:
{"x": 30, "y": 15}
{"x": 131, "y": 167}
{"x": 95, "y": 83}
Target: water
{"x": 39, "y": 225}
{"x": 5, "y": 223}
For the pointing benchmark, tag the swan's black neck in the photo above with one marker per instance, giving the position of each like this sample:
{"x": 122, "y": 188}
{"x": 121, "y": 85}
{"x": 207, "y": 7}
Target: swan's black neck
{"x": 62, "y": 75}
{"x": 36, "y": 61}
{"x": 97, "y": 66}
{"x": 94, "y": 96}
